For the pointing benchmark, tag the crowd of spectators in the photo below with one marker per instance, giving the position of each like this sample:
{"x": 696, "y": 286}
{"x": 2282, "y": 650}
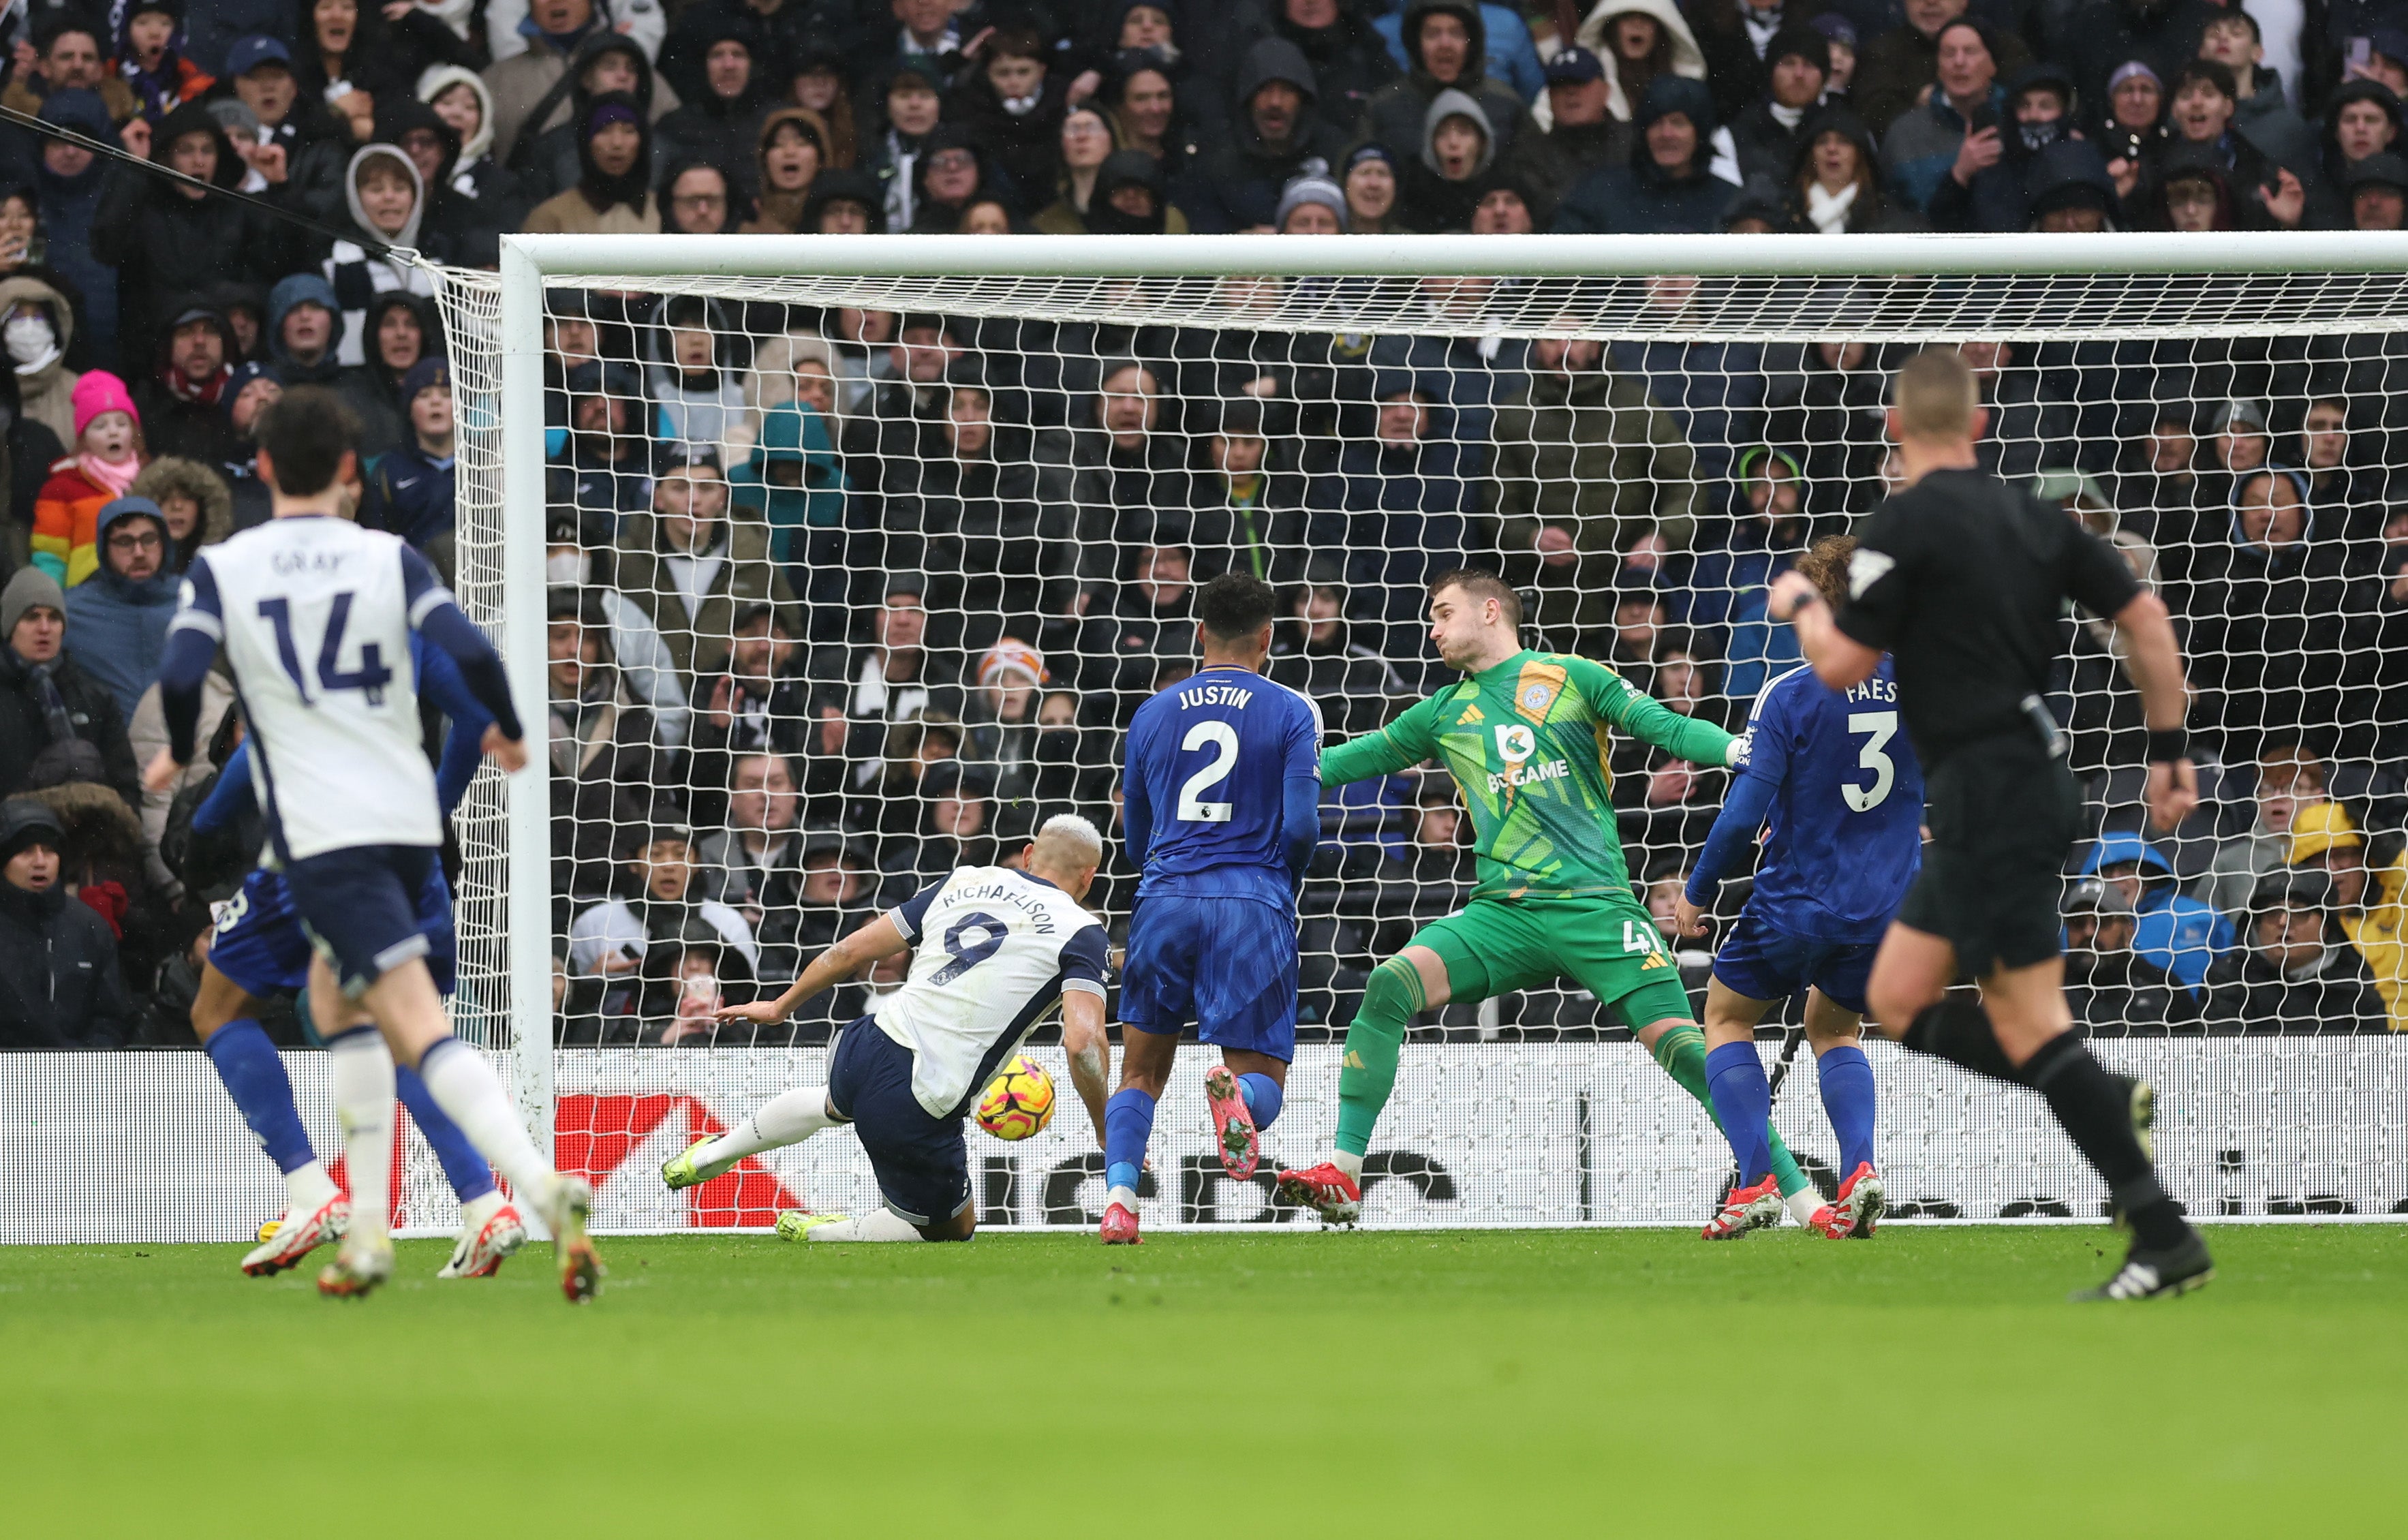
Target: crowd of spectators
{"x": 841, "y": 598}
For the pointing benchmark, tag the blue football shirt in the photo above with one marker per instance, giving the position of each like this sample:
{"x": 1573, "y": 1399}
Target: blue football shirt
{"x": 1844, "y": 836}
{"x": 1204, "y": 784}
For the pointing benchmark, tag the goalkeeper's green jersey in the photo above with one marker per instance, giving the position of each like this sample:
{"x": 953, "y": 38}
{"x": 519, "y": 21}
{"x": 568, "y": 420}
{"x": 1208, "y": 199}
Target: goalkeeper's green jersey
{"x": 1526, "y": 741}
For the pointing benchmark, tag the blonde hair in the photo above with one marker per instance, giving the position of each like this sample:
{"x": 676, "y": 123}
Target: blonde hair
{"x": 1936, "y": 396}
{"x": 1067, "y": 842}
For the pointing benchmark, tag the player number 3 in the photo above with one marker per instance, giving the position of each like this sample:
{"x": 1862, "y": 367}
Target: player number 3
{"x": 1220, "y": 736}
{"x": 1883, "y": 725}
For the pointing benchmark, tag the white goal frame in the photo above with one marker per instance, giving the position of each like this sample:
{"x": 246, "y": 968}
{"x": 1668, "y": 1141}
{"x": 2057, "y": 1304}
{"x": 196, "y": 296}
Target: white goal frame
{"x": 2375, "y": 263}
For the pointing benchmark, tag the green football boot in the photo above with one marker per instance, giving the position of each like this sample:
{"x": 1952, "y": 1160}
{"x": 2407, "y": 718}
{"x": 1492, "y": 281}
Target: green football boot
{"x": 682, "y": 1172}
{"x": 796, "y": 1224}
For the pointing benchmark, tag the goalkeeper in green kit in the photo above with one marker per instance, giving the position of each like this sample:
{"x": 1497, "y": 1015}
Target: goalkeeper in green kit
{"x": 1523, "y": 734}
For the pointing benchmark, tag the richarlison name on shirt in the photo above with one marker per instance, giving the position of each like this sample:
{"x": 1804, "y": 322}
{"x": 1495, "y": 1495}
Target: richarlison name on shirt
{"x": 1027, "y": 900}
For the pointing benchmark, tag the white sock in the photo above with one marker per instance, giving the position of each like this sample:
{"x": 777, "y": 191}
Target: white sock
{"x": 882, "y": 1224}
{"x": 477, "y": 1211}
{"x": 1352, "y": 1164}
{"x": 462, "y": 1085}
{"x": 308, "y": 1188}
{"x": 1803, "y": 1203}
{"x": 362, "y": 1072}
{"x": 1126, "y": 1197}
{"x": 787, "y": 1119}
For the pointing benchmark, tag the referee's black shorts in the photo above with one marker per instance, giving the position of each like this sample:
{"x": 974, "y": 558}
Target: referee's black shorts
{"x": 2002, "y": 813}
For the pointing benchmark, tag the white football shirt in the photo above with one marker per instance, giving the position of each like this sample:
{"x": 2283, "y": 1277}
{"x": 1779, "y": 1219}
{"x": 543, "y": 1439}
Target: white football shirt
{"x": 994, "y": 949}
{"x": 315, "y": 614}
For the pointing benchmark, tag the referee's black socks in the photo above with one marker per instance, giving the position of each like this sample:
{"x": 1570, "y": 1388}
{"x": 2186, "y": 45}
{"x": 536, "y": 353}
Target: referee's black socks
{"x": 1959, "y": 1030}
{"x": 2092, "y": 1105}
{"x": 2095, "y": 1109}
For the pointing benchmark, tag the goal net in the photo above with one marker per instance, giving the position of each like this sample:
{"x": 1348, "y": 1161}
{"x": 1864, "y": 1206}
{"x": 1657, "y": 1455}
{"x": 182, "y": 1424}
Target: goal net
{"x": 834, "y": 564}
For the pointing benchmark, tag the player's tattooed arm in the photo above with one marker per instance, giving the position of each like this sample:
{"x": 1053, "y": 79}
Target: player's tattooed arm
{"x": 1090, "y": 1052}
{"x": 881, "y": 939}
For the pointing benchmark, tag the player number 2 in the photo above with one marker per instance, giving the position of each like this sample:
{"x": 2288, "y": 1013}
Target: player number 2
{"x": 1883, "y": 725}
{"x": 1220, "y": 736}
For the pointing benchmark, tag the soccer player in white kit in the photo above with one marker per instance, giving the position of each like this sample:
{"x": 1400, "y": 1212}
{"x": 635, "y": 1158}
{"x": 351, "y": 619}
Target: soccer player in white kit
{"x": 315, "y": 614}
{"x": 996, "y": 947}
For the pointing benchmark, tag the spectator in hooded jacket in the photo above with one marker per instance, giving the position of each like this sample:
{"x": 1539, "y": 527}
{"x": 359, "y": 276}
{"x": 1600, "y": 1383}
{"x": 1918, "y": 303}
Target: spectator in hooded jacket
{"x": 1666, "y": 186}
{"x": 2112, "y": 990}
{"x": 252, "y": 390}
{"x": 694, "y": 359}
{"x": 1445, "y": 45}
{"x": 459, "y": 97}
{"x": 1350, "y": 59}
{"x": 690, "y": 568}
{"x": 60, "y": 987}
{"x": 614, "y": 194}
{"x": 52, "y": 715}
{"x": 179, "y": 401}
{"x": 722, "y": 122}
{"x": 36, "y": 327}
{"x": 790, "y": 154}
{"x": 68, "y": 184}
{"x": 193, "y": 498}
{"x": 2271, "y": 614}
{"x": 1013, "y": 105}
{"x": 1274, "y": 130}
{"x": 1441, "y": 185}
{"x": 546, "y": 162}
{"x": 412, "y": 493}
{"x": 2296, "y": 973}
{"x": 167, "y": 239}
{"x": 550, "y": 78}
{"x": 1764, "y": 135}
{"x": 151, "y": 59}
{"x": 304, "y": 331}
{"x": 2180, "y": 935}
{"x": 1996, "y": 197}
{"x": 117, "y": 619}
{"x": 400, "y": 334}
{"x": 1407, "y": 504}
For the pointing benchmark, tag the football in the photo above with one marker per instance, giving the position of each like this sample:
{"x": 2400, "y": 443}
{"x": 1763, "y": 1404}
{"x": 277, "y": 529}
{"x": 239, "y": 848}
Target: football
{"x": 1018, "y": 1101}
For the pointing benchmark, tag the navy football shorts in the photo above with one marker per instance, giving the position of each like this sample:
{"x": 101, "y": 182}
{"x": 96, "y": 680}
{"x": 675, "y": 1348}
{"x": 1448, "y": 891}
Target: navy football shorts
{"x": 1227, "y": 964}
{"x": 1763, "y": 961}
{"x": 367, "y": 910}
{"x": 260, "y": 946}
{"x": 921, "y": 1161}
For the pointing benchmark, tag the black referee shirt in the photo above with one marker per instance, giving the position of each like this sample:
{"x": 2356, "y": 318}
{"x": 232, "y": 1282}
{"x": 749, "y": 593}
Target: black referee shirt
{"x": 1963, "y": 577}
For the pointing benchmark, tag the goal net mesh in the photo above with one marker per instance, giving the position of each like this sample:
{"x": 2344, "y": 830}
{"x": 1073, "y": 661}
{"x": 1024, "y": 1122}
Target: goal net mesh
{"x": 852, "y": 581}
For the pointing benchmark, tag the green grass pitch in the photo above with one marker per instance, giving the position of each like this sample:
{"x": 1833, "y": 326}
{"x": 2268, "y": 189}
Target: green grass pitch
{"x": 1644, "y": 1383}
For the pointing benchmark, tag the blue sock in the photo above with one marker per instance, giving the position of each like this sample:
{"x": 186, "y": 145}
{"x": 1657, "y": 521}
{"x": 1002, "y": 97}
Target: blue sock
{"x": 1128, "y": 1126}
{"x": 1743, "y": 1101}
{"x": 1264, "y": 1098}
{"x": 463, "y": 1167}
{"x": 1847, "y": 1080}
{"x": 255, "y": 1076}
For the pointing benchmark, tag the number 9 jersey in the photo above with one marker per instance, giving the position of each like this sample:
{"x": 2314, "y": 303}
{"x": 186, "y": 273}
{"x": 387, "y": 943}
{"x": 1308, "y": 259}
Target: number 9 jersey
{"x": 315, "y": 614}
{"x": 1844, "y": 835}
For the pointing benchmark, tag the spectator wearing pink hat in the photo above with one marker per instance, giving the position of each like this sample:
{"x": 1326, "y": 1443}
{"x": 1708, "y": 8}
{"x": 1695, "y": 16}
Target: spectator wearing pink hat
{"x": 108, "y": 456}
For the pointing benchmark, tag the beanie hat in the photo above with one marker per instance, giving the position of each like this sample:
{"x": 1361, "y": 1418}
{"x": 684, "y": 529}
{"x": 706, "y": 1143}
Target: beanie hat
{"x": 80, "y": 110}
{"x": 1010, "y": 656}
{"x": 24, "y": 820}
{"x": 1308, "y": 189}
{"x": 427, "y": 374}
{"x": 31, "y": 587}
{"x": 98, "y": 392}
{"x": 238, "y": 382}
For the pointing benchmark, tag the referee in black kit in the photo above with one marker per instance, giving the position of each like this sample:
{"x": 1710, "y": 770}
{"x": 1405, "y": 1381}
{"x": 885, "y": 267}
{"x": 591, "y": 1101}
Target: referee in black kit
{"x": 1961, "y": 577}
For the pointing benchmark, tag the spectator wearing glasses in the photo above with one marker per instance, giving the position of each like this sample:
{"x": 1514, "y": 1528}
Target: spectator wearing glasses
{"x": 119, "y": 616}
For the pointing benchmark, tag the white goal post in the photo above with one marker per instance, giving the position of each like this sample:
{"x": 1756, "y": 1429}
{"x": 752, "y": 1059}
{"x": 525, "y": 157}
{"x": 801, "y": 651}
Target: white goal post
{"x": 2340, "y": 1102}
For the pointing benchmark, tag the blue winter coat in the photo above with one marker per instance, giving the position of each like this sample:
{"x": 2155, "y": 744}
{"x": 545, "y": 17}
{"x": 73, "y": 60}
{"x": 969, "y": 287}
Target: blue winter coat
{"x": 117, "y": 630}
{"x": 2181, "y": 935}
